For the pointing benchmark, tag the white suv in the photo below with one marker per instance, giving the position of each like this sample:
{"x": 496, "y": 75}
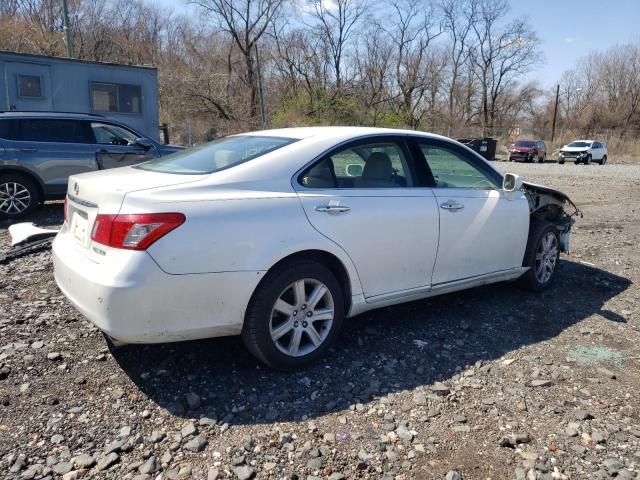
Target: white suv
{"x": 584, "y": 151}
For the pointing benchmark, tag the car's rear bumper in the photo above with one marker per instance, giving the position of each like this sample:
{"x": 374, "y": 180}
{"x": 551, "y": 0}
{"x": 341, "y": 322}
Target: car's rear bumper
{"x": 132, "y": 300}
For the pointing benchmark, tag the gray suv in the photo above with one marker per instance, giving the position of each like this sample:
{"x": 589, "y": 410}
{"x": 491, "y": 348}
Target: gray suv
{"x": 39, "y": 150}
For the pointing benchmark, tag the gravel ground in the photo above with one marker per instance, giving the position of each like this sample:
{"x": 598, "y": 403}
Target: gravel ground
{"x": 494, "y": 382}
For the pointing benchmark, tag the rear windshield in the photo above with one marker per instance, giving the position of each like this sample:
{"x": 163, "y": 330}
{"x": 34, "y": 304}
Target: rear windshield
{"x": 579, "y": 144}
{"x": 525, "y": 143}
{"x": 217, "y": 155}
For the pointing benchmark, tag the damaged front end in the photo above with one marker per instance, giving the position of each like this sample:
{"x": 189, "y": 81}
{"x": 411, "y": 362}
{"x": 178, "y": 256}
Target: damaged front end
{"x": 554, "y": 207}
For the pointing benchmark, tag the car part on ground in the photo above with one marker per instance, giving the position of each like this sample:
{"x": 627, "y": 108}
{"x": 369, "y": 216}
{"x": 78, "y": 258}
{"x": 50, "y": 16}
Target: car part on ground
{"x": 26, "y": 238}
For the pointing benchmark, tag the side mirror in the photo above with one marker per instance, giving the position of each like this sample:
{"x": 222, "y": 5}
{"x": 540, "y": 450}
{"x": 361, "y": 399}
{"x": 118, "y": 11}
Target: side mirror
{"x": 511, "y": 182}
{"x": 354, "y": 170}
{"x": 144, "y": 143}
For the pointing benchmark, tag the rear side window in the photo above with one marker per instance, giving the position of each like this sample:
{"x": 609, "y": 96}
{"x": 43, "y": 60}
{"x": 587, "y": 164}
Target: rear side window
{"x": 217, "y": 155}
{"x": 53, "y": 130}
{"x": 5, "y": 129}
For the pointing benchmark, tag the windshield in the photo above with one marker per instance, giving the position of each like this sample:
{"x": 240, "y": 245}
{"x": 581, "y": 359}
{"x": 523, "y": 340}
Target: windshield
{"x": 217, "y": 155}
{"x": 525, "y": 143}
{"x": 579, "y": 144}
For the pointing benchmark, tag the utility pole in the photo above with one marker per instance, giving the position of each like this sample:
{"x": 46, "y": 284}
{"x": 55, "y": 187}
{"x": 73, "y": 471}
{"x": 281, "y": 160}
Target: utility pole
{"x": 67, "y": 28}
{"x": 260, "y": 91}
{"x": 555, "y": 113}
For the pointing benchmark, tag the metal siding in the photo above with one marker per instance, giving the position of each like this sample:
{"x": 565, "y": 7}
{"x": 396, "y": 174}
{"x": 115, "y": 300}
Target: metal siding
{"x": 69, "y": 87}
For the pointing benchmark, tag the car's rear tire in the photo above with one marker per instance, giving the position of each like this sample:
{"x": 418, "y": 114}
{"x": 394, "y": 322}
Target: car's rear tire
{"x": 603, "y": 160}
{"x": 19, "y": 196}
{"x": 561, "y": 162}
{"x": 295, "y": 315}
{"x": 542, "y": 256}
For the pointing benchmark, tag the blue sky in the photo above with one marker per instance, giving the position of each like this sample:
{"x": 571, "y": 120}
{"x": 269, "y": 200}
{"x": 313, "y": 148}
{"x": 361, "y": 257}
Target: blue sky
{"x": 568, "y": 29}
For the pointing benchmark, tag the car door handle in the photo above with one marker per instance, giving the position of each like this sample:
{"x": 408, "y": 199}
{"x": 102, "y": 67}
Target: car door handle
{"x": 28, "y": 149}
{"x": 332, "y": 209}
{"x": 450, "y": 205}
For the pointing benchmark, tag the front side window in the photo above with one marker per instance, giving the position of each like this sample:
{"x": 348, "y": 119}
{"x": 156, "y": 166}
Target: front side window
{"x": 377, "y": 164}
{"x": 451, "y": 169}
{"x": 113, "y": 97}
{"x": 5, "y": 129}
{"x": 217, "y": 155}
{"x": 53, "y": 130}
{"x": 108, "y": 134}
{"x": 29, "y": 86}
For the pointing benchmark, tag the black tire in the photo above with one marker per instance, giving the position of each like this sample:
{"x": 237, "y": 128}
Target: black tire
{"x": 561, "y": 162}
{"x": 537, "y": 233}
{"x": 542, "y": 158}
{"x": 588, "y": 160}
{"x": 603, "y": 160}
{"x": 8, "y": 184}
{"x": 256, "y": 330}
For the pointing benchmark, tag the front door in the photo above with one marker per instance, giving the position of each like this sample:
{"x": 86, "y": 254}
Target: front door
{"x": 482, "y": 229}
{"x": 117, "y": 146}
{"x": 364, "y": 197}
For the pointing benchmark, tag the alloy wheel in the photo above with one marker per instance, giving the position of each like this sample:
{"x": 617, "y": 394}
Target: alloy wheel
{"x": 14, "y": 198}
{"x": 301, "y": 317}
{"x": 546, "y": 257}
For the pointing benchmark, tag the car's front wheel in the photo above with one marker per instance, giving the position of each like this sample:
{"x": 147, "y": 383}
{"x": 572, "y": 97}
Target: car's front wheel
{"x": 295, "y": 315}
{"x": 19, "y": 196}
{"x": 541, "y": 256}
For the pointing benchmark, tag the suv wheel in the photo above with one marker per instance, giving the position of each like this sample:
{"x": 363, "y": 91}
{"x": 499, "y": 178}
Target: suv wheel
{"x": 604, "y": 160}
{"x": 19, "y": 196}
{"x": 588, "y": 160}
{"x": 295, "y": 315}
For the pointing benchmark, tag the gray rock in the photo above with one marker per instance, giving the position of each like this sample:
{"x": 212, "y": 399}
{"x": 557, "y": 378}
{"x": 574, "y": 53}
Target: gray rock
{"x": 337, "y": 476}
{"x": 157, "y": 436}
{"x": 54, "y": 356}
{"x": 606, "y": 373}
{"x": 57, "y": 439}
{"x": 62, "y": 467}
{"x": 541, "y": 383}
{"x": 315, "y": 463}
{"x": 193, "y": 400}
{"x": 244, "y": 472}
{"x": 114, "y": 447}
{"x": 84, "y": 461}
{"x": 419, "y": 398}
{"x": 150, "y": 466}
{"x": 453, "y": 475}
{"x": 108, "y": 460}
{"x": 613, "y": 465}
{"x": 188, "y": 429}
{"x": 197, "y": 444}
{"x": 213, "y": 474}
{"x": 582, "y": 415}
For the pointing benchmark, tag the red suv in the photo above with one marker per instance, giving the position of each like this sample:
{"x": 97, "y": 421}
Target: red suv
{"x": 528, "y": 151}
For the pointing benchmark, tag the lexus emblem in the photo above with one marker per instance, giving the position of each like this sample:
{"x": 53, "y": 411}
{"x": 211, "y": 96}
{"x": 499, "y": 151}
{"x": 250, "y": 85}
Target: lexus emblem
{"x": 76, "y": 188}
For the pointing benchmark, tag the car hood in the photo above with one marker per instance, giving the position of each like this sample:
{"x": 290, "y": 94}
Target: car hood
{"x": 555, "y": 194}
{"x": 574, "y": 149}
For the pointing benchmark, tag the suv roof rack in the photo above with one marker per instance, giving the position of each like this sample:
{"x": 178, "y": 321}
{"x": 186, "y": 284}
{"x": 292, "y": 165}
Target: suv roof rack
{"x": 53, "y": 112}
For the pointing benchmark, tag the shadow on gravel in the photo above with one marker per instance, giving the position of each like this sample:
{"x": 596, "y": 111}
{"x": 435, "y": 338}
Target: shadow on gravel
{"x": 384, "y": 351}
{"x": 49, "y": 214}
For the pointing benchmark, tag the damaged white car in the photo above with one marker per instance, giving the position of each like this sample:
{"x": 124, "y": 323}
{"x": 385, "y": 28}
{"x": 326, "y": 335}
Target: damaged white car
{"x": 280, "y": 235}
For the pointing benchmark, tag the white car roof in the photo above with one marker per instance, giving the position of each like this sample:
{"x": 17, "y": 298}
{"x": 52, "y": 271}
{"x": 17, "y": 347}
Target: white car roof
{"x": 331, "y": 132}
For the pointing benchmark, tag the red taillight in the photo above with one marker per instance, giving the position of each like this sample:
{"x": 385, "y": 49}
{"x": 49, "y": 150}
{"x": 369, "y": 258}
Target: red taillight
{"x": 134, "y": 231}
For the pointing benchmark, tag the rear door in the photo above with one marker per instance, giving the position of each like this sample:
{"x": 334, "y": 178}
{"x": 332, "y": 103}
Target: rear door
{"x": 56, "y": 149}
{"x": 482, "y": 230}
{"x": 117, "y": 147}
{"x": 364, "y": 196}
{"x": 597, "y": 151}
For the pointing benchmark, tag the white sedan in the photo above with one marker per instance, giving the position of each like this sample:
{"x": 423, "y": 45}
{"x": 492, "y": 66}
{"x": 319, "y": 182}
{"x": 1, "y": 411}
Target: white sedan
{"x": 280, "y": 235}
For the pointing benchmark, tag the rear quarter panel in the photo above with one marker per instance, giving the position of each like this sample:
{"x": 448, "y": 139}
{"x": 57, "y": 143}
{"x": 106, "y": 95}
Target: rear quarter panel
{"x": 240, "y": 234}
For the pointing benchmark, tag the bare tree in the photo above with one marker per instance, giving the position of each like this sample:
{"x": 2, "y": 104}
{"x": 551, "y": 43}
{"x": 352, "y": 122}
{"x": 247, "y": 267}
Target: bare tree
{"x": 246, "y": 21}
{"x": 500, "y": 53}
{"x": 335, "y": 24}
